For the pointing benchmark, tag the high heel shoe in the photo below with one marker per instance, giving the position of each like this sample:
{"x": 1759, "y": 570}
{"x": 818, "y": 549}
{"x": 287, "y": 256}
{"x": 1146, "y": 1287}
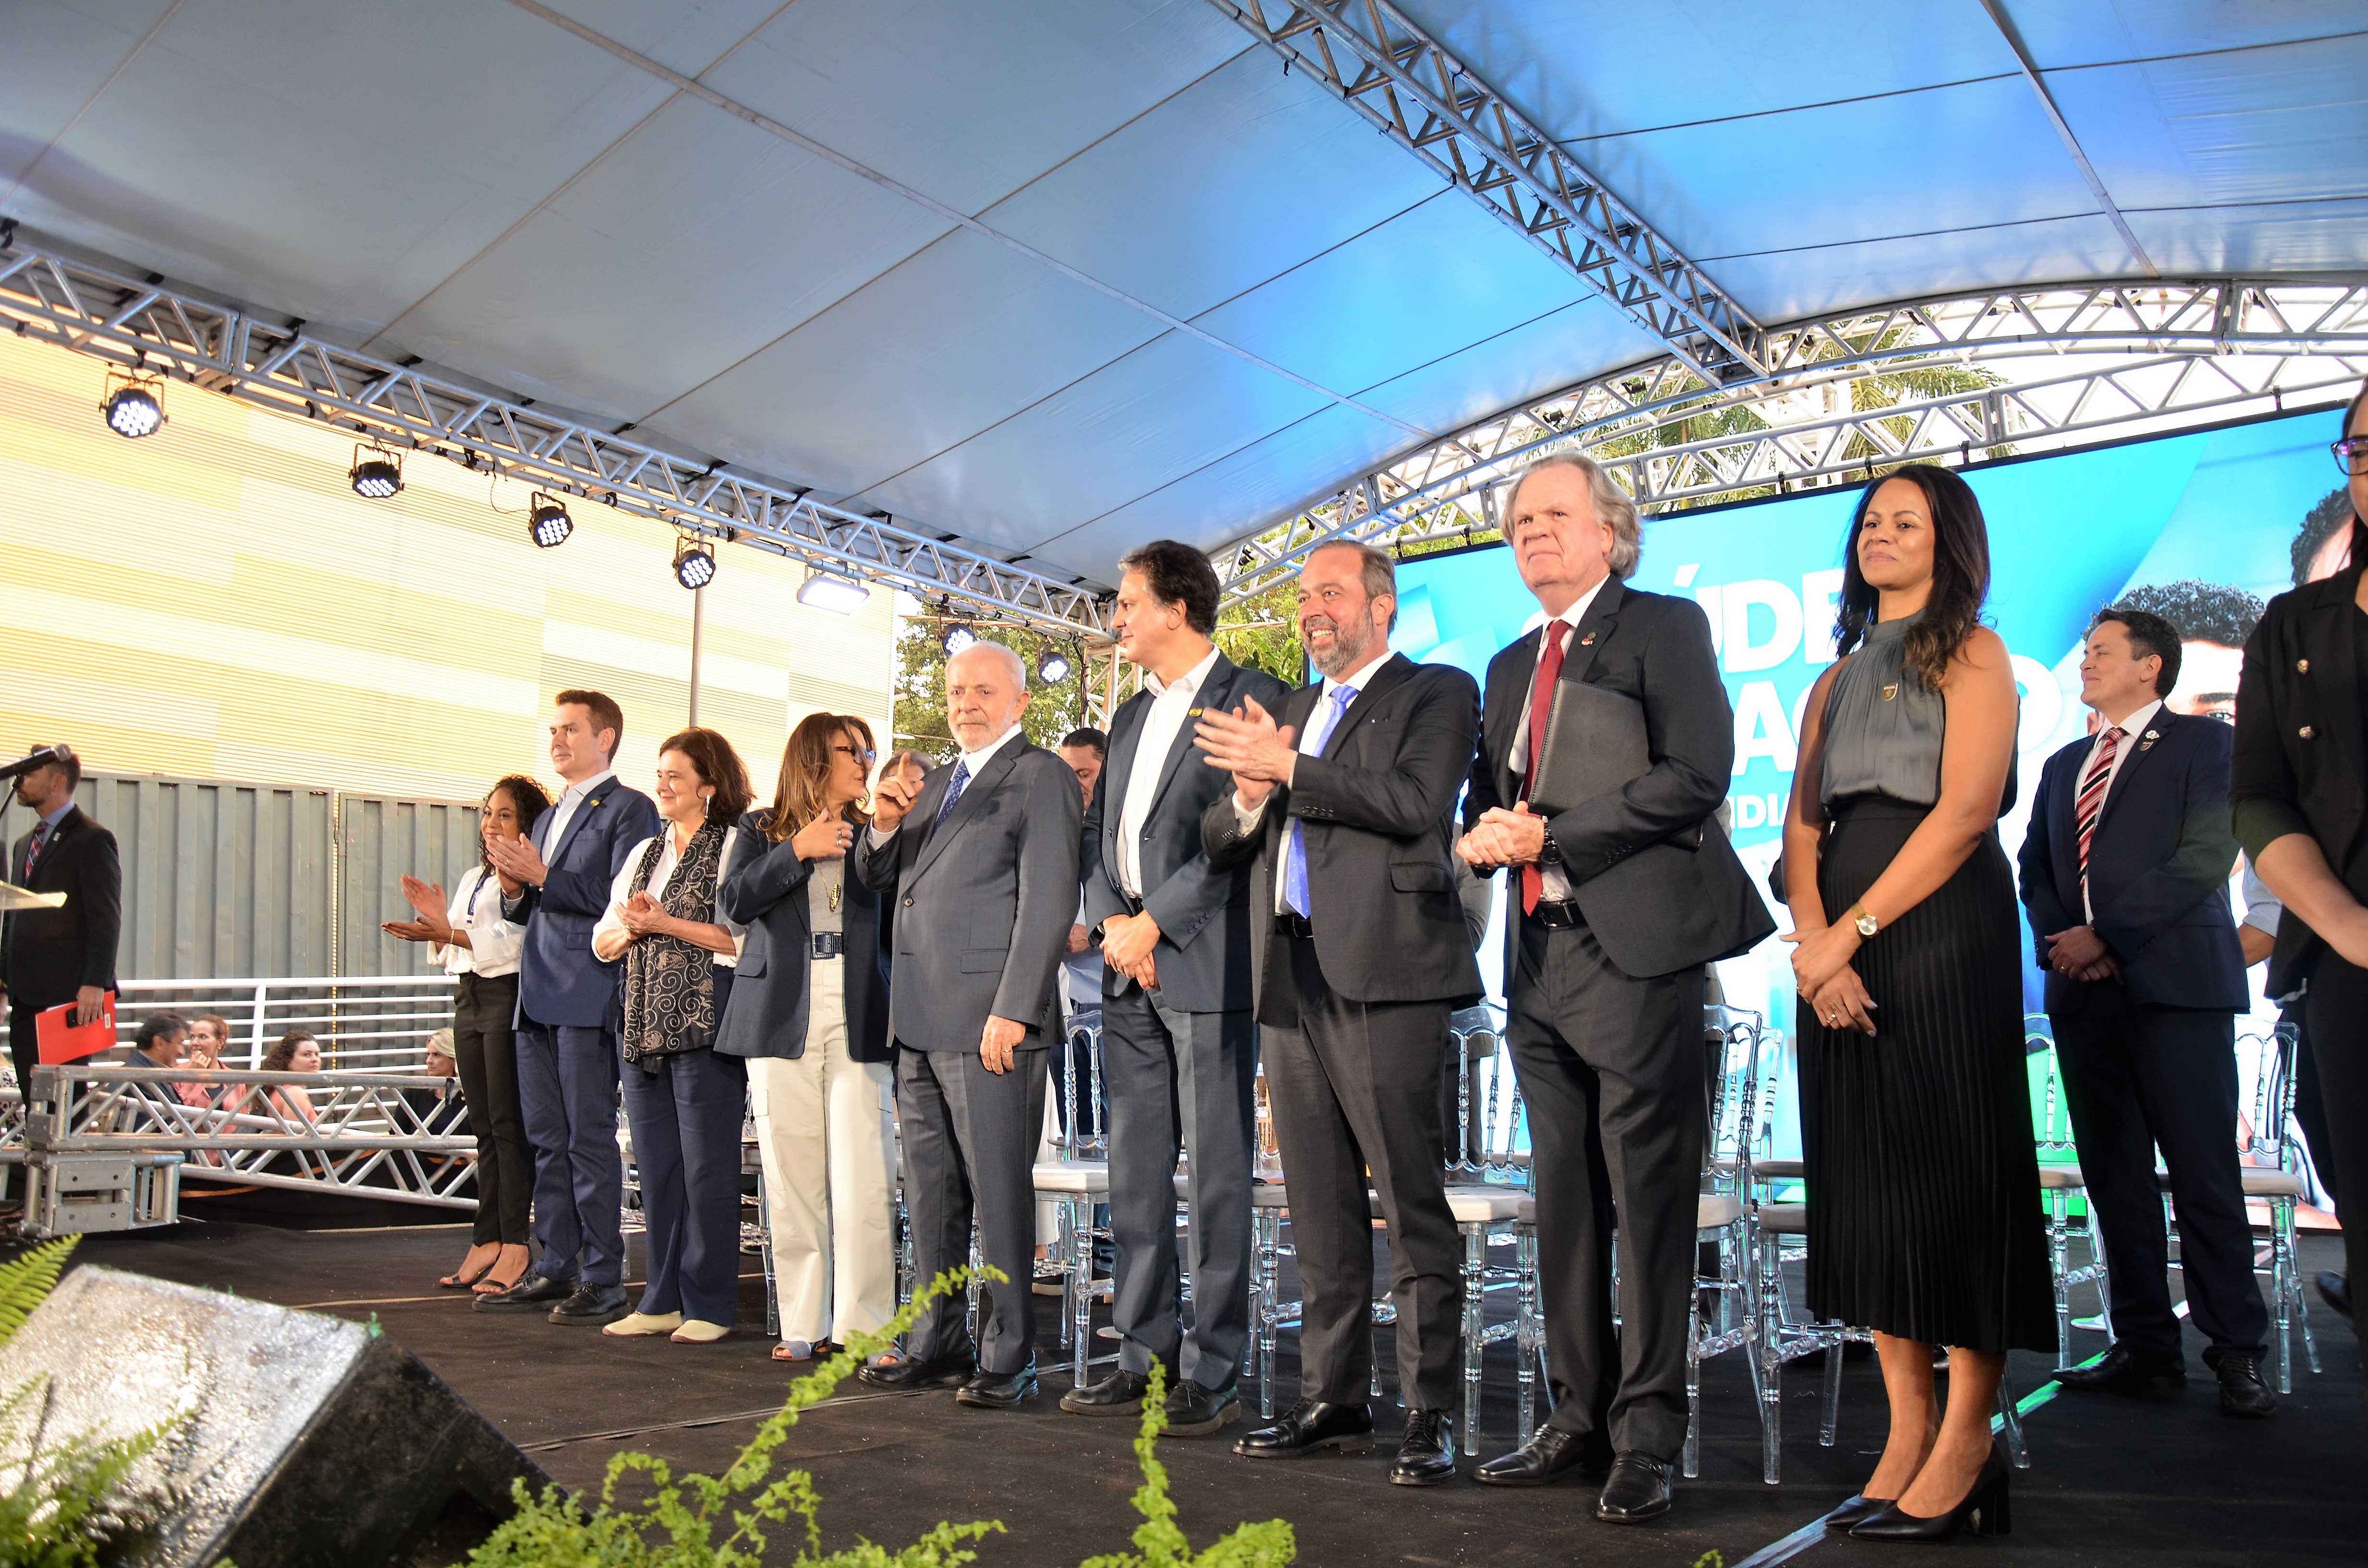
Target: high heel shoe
{"x": 1857, "y": 1510}
{"x": 1984, "y": 1511}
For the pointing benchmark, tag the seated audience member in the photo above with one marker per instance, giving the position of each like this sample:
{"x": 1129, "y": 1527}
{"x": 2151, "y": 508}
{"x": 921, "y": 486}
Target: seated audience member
{"x": 208, "y": 1038}
{"x": 159, "y": 1043}
{"x": 298, "y": 1050}
{"x": 685, "y": 1100}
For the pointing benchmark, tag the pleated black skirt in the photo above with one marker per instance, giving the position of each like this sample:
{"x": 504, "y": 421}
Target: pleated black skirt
{"x": 1923, "y": 1186}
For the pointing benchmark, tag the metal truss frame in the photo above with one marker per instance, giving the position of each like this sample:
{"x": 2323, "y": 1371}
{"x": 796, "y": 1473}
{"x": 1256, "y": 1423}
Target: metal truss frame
{"x": 2053, "y": 366}
{"x": 113, "y": 315}
{"x": 364, "y": 1136}
{"x": 1373, "y": 58}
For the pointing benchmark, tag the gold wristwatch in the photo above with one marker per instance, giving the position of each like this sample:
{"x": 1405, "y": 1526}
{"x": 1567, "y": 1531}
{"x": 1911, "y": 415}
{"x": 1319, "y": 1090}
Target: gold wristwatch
{"x": 1863, "y": 920}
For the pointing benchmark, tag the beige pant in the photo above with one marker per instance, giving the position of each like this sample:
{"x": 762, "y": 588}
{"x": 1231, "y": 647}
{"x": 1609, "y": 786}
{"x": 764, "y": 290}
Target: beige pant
{"x": 823, "y": 1132}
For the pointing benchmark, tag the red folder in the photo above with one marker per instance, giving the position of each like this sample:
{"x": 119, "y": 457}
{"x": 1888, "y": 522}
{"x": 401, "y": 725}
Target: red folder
{"x": 61, "y": 1042}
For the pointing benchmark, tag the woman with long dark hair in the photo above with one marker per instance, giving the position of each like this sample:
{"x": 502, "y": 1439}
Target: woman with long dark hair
{"x": 480, "y": 950}
{"x": 811, "y": 1016}
{"x": 2298, "y": 790}
{"x": 1923, "y": 1184}
{"x": 683, "y": 1101}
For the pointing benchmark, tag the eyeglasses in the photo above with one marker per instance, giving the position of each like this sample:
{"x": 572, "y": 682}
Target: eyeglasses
{"x": 861, "y": 753}
{"x": 2351, "y": 454}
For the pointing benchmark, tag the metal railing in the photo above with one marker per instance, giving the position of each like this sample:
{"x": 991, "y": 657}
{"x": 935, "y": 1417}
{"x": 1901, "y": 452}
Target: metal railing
{"x": 375, "y": 1021}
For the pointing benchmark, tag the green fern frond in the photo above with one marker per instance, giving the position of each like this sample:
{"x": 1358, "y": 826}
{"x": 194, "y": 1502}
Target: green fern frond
{"x": 25, "y": 1282}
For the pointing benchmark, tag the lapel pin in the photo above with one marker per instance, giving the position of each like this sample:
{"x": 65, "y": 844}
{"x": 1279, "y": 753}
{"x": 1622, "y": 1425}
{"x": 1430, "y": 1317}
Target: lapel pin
{"x": 2154, "y": 734}
{"x": 1194, "y": 713}
{"x": 1891, "y": 691}
{"x": 1587, "y": 641}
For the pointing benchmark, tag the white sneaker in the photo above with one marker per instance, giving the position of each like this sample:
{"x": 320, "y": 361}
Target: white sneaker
{"x": 639, "y": 1326}
{"x": 694, "y": 1332}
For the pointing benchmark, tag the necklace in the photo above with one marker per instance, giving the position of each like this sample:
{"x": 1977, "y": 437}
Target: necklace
{"x": 835, "y": 885}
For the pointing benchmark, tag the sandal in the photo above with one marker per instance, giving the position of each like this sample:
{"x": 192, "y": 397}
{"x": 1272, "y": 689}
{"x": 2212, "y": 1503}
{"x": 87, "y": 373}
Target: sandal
{"x": 490, "y": 1283}
{"x": 456, "y": 1281}
{"x": 799, "y": 1350}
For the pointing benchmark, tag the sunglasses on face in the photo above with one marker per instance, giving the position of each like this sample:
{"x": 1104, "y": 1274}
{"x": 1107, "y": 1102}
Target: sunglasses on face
{"x": 861, "y": 753}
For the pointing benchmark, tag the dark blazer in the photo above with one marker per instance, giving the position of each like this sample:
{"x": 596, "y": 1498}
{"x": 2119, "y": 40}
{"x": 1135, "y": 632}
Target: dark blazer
{"x": 559, "y": 980}
{"x": 1378, "y": 811}
{"x": 2159, "y": 866}
{"x": 1649, "y": 866}
{"x": 1203, "y": 954}
{"x": 2302, "y": 754}
{"x": 764, "y": 888}
{"x": 984, "y": 900}
{"x": 46, "y": 955}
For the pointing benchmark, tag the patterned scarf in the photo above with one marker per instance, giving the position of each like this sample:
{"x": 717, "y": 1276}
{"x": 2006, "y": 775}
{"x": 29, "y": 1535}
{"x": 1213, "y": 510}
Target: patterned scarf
{"x": 669, "y": 984}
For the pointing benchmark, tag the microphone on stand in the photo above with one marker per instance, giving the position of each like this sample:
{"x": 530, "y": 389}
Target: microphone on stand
{"x": 41, "y": 757}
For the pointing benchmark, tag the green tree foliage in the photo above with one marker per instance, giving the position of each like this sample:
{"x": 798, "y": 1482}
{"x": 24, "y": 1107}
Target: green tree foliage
{"x": 920, "y": 717}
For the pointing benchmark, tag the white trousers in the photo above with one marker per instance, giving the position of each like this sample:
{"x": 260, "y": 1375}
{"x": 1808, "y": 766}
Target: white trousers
{"x": 823, "y": 1132}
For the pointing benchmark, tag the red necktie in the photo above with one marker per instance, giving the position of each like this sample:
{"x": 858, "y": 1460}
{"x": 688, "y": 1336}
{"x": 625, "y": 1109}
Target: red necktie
{"x": 33, "y": 849}
{"x": 2091, "y": 799}
{"x": 1533, "y": 880}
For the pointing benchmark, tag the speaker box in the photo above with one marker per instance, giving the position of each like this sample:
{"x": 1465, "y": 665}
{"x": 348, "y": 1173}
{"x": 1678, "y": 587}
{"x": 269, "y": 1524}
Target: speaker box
{"x": 307, "y": 1439}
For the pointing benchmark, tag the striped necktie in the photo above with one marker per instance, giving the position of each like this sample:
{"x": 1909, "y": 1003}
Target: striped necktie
{"x": 39, "y": 836}
{"x": 2093, "y": 785}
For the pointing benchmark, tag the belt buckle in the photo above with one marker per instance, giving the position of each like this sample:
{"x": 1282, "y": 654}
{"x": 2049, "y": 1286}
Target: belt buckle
{"x": 1557, "y": 914}
{"x": 827, "y": 944}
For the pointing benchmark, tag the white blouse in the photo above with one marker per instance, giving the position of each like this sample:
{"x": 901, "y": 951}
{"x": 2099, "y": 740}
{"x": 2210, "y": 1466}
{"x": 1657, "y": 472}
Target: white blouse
{"x": 661, "y": 875}
{"x": 494, "y": 943}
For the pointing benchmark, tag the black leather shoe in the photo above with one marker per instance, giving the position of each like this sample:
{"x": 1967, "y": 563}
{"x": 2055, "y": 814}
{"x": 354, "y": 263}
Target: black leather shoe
{"x": 592, "y": 1306}
{"x": 1638, "y": 1489}
{"x": 1308, "y": 1425}
{"x": 1427, "y": 1453}
{"x": 1984, "y": 1511}
{"x": 903, "y": 1377}
{"x": 2242, "y": 1391}
{"x": 1857, "y": 1509}
{"x": 1550, "y": 1452}
{"x": 534, "y": 1290}
{"x": 2120, "y": 1372}
{"x": 1000, "y": 1391}
{"x": 1121, "y": 1393}
{"x": 1195, "y": 1411}
{"x": 2335, "y": 1290}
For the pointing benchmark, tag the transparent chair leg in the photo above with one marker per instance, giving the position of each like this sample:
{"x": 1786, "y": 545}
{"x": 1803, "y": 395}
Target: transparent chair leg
{"x": 772, "y": 1286}
{"x": 1076, "y": 1219}
{"x": 1692, "y": 1454}
{"x": 1526, "y": 1337}
{"x": 1269, "y": 1270}
{"x": 1475, "y": 1264}
{"x": 1829, "y": 1418}
{"x": 2011, "y": 1419}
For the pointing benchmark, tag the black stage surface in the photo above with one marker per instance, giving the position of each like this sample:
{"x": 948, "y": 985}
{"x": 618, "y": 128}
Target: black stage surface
{"x": 2112, "y": 1482}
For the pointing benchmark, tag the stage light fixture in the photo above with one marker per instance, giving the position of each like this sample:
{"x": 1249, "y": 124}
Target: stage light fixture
{"x": 959, "y": 635}
{"x": 377, "y": 473}
{"x": 829, "y": 591}
{"x": 694, "y": 561}
{"x": 547, "y": 520}
{"x": 1052, "y": 669}
{"x": 131, "y": 407}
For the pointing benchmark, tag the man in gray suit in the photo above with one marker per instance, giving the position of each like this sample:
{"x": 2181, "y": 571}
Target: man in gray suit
{"x": 982, "y": 857}
{"x": 1178, "y": 1056}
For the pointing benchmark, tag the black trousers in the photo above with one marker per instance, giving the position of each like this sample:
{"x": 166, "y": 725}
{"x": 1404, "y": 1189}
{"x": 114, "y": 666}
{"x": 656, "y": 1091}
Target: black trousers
{"x": 2310, "y": 1106}
{"x": 24, "y": 1050}
{"x": 485, "y": 1050}
{"x": 2337, "y": 1009}
{"x": 1355, "y": 1087}
{"x": 2139, "y": 1078}
{"x": 1612, "y": 1071}
{"x": 970, "y": 1140}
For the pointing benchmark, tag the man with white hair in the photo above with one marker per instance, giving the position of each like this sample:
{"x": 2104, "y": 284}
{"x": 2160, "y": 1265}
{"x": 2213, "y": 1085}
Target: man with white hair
{"x": 1616, "y": 907}
{"x": 981, "y": 859}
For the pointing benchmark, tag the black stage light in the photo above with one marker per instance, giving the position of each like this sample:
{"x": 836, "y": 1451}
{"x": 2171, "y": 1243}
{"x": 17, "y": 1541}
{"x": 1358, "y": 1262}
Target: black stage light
{"x": 131, "y": 408}
{"x": 694, "y": 562}
{"x": 377, "y": 473}
{"x": 1052, "y": 669}
{"x": 959, "y": 635}
{"x": 547, "y": 520}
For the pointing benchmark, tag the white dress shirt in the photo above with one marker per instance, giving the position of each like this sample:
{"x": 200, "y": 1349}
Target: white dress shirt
{"x": 495, "y": 942}
{"x": 563, "y": 811}
{"x": 1555, "y": 887}
{"x": 977, "y": 759}
{"x": 661, "y": 875}
{"x": 2261, "y": 905}
{"x": 1171, "y": 702}
{"x": 1248, "y": 815}
{"x": 2132, "y": 728}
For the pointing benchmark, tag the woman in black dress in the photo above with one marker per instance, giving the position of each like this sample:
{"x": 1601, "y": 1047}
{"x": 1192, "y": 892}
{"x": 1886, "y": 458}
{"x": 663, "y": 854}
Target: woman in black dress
{"x": 1924, "y": 1216}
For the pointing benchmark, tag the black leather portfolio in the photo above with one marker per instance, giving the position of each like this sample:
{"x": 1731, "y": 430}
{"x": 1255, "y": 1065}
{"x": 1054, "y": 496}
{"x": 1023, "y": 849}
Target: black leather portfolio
{"x": 1594, "y": 743}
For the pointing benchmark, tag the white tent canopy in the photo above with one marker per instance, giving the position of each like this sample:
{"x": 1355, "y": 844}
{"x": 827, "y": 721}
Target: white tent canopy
{"x": 1051, "y": 277}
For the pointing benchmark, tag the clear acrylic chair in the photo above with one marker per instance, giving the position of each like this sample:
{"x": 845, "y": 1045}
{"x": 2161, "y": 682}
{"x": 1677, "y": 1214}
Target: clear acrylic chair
{"x": 2060, "y": 1181}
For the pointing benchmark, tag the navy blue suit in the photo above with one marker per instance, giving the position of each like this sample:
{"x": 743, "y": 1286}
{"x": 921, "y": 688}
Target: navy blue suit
{"x": 2150, "y": 1058}
{"x": 568, "y": 1012}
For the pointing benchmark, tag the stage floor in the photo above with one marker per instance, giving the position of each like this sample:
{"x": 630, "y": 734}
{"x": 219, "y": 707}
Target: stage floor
{"x": 2112, "y": 1482}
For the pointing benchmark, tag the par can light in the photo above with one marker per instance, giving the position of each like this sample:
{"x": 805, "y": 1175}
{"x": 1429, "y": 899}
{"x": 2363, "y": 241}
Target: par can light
{"x": 959, "y": 635}
{"x": 1052, "y": 669}
{"x": 132, "y": 411}
{"x": 548, "y": 523}
{"x": 377, "y": 473}
{"x": 694, "y": 562}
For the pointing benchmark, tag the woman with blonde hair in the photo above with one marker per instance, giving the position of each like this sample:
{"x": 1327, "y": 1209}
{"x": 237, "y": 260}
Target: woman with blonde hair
{"x": 810, "y": 1015}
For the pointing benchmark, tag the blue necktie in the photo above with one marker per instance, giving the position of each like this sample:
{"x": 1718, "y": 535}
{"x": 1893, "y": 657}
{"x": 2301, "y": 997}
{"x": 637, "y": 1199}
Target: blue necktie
{"x": 953, "y": 792}
{"x": 1294, "y": 844}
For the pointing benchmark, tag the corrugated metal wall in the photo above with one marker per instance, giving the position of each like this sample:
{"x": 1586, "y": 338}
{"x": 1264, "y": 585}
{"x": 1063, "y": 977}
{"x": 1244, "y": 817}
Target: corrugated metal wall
{"x": 379, "y": 839}
{"x": 223, "y": 879}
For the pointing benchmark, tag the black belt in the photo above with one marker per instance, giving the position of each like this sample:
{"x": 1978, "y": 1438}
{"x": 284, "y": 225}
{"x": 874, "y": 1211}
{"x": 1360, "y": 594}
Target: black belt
{"x": 827, "y": 944}
{"x": 1291, "y": 924}
{"x": 1556, "y": 917}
